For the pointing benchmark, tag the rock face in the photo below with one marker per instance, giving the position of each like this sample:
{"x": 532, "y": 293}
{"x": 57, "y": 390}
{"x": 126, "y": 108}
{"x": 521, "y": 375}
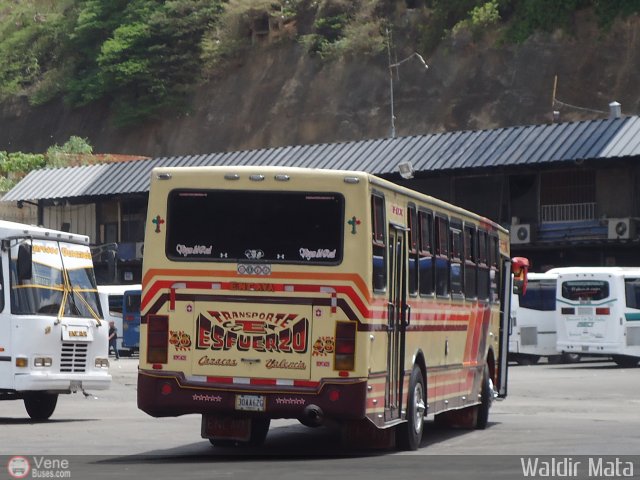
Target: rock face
{"x": 278, "y": 95}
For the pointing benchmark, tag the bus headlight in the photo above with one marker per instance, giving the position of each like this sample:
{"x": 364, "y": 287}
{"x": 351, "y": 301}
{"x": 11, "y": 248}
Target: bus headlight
{"x": 102, "y": 362}
{"x": 42, "y": 362}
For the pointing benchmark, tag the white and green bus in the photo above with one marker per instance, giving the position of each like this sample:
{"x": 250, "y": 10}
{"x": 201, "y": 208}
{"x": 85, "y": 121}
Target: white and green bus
{"x": 598, "y": 312}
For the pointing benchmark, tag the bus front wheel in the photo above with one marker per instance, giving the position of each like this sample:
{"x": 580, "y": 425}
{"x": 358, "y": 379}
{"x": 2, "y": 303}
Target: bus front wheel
{"x": 40, "y": 405}
{"x": 409, "y": 434}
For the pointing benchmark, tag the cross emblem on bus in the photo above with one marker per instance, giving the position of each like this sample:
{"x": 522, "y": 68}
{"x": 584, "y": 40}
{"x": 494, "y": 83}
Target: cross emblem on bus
{"x": 157, "y": 221}
{"x": 353, "y": 222}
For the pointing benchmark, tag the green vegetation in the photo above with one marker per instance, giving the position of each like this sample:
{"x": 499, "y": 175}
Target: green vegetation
{"x": 15, "y": 165}
{"x": 143, "y": 57}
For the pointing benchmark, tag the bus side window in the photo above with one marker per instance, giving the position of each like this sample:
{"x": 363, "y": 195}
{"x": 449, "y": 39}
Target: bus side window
{"x": 632, "y": 292}
{"x": 455, "y": 265}
{"x": 470, "y": 256}
{"x": 483, "y": 266}
{"x": 413, "y": 250}
{"x": 442, "y": 256}
{"x": 378, "y": 243}
{"x": 425, "y": 262}
{"x": 494, "y": 273}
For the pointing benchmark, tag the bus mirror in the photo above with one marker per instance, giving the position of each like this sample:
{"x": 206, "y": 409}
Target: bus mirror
{"x": 519, "y": 268}
{"x": 25, "y": 265}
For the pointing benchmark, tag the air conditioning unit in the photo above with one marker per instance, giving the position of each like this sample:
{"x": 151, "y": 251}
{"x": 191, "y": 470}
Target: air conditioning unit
{"x": 521, "y": 233}
{"x": 139, "y": 250}
{"x": 621, "y": 228}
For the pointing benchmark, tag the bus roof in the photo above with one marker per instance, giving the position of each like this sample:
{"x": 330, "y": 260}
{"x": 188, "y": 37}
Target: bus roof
{"x": 353, "y": 175}
{"x": 616, "y": 271}
{"x": 117, "y": 289}
{"x": 13, "y": 229}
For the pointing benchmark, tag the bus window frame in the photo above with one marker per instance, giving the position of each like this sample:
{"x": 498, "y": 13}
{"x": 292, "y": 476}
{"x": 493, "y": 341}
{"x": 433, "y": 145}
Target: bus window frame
{"x": 413, "y": 250}
{"x": 470, "y": 261}
{"x": 482, "y": 266}
{"x": 377, "y": 244}
{"x": 456, "y": 255}
{"x": 441, "y": 248}
{"x": 426, "y": 250}
{"x": 493, "y": 252}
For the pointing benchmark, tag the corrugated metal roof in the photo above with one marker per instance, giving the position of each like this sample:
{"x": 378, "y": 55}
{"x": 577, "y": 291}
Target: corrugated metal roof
{"x": 530, "y": 144}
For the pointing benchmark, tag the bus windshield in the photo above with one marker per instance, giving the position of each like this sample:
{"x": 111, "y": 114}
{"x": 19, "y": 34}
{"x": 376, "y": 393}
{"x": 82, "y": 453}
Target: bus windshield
{"x": 255, "y": 226}
{"x": 62, "y": 280}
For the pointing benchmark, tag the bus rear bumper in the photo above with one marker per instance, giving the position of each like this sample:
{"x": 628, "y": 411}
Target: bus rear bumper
{"x": 592, "y": 348}
{"x": 61, "y": 382}
{"x": 168, "y": 395}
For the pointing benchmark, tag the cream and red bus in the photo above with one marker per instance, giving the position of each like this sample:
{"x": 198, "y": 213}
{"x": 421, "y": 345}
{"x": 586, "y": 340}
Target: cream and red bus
{"x": 322, "y": 296}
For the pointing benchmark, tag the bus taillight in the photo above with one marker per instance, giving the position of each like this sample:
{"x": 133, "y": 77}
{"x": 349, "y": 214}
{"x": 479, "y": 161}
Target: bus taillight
{"x": 157, "y": 338}
{"x": 603, "y": 311}
{"x": 345, "y": 346}
{"x": 568, "y": 311}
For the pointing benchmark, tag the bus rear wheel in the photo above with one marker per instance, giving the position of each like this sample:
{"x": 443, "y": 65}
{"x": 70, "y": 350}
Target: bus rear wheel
{"x": 409, "y": 434}
{"x": 626, "y": 361}
{"x": 486, "y": 399}
{"x": 523, "y": 359}
{"x": 40, "y": 405}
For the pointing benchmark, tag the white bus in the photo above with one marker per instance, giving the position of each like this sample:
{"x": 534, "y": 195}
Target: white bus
{"x": 598, "y": 312}
{"x": 533, "y": 321}
{"x": 52, "y": 336}
{"x": 112, "y": 304}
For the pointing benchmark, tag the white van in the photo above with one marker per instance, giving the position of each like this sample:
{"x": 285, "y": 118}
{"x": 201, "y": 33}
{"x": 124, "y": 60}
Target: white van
{"x": 111, "y": 302}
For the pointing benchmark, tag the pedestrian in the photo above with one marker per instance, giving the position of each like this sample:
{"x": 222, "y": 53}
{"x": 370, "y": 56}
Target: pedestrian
{"x": 113, "y": 339}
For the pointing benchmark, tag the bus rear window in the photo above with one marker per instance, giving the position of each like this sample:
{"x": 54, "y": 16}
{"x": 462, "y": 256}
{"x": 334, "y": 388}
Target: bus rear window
{"x": 585, "y": 290}
{"x": 540, "y": 295}
{"x": 255, "y": 226}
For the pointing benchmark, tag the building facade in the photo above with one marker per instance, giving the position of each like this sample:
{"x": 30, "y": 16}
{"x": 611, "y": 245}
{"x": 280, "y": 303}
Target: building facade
{"x": 568, "y": 192}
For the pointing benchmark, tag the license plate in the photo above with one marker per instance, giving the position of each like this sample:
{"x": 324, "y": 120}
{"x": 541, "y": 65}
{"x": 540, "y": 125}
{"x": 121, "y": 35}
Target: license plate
{"x": 250, "y": 403}
{"x": 226, "y": 428}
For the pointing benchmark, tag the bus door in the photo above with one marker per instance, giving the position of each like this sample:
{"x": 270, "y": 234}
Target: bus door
{"x": 397, "y": 317}
{"x": 506, "y": 286}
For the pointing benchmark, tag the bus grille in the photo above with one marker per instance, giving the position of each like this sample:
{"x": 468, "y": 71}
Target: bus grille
{"x": 73, "y": 358}
{"x": 529, "y": 336}
{"x": 633, "y": 336}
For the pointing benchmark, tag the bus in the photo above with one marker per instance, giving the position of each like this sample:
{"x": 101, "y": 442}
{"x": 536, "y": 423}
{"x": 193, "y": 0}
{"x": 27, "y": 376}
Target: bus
{"x": 598, "y": 312}
{"x": 118, "y": 303}
{"x": 52, "y": 337}
{"x": 533, "y": 320}
{"x": 326, "y": 296}
{"x": 131, "y": 319}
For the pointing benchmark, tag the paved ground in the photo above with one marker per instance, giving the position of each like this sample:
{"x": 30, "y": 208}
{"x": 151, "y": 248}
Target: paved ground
{"x": 583, "y": 409}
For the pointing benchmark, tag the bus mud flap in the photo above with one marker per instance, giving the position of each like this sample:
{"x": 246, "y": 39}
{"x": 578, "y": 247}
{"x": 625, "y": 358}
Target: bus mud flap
{"x": 364, "y": 434}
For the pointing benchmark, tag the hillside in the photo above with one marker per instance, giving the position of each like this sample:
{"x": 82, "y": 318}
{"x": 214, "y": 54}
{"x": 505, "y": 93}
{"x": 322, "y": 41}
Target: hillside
{"x": 277, "y": 94}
